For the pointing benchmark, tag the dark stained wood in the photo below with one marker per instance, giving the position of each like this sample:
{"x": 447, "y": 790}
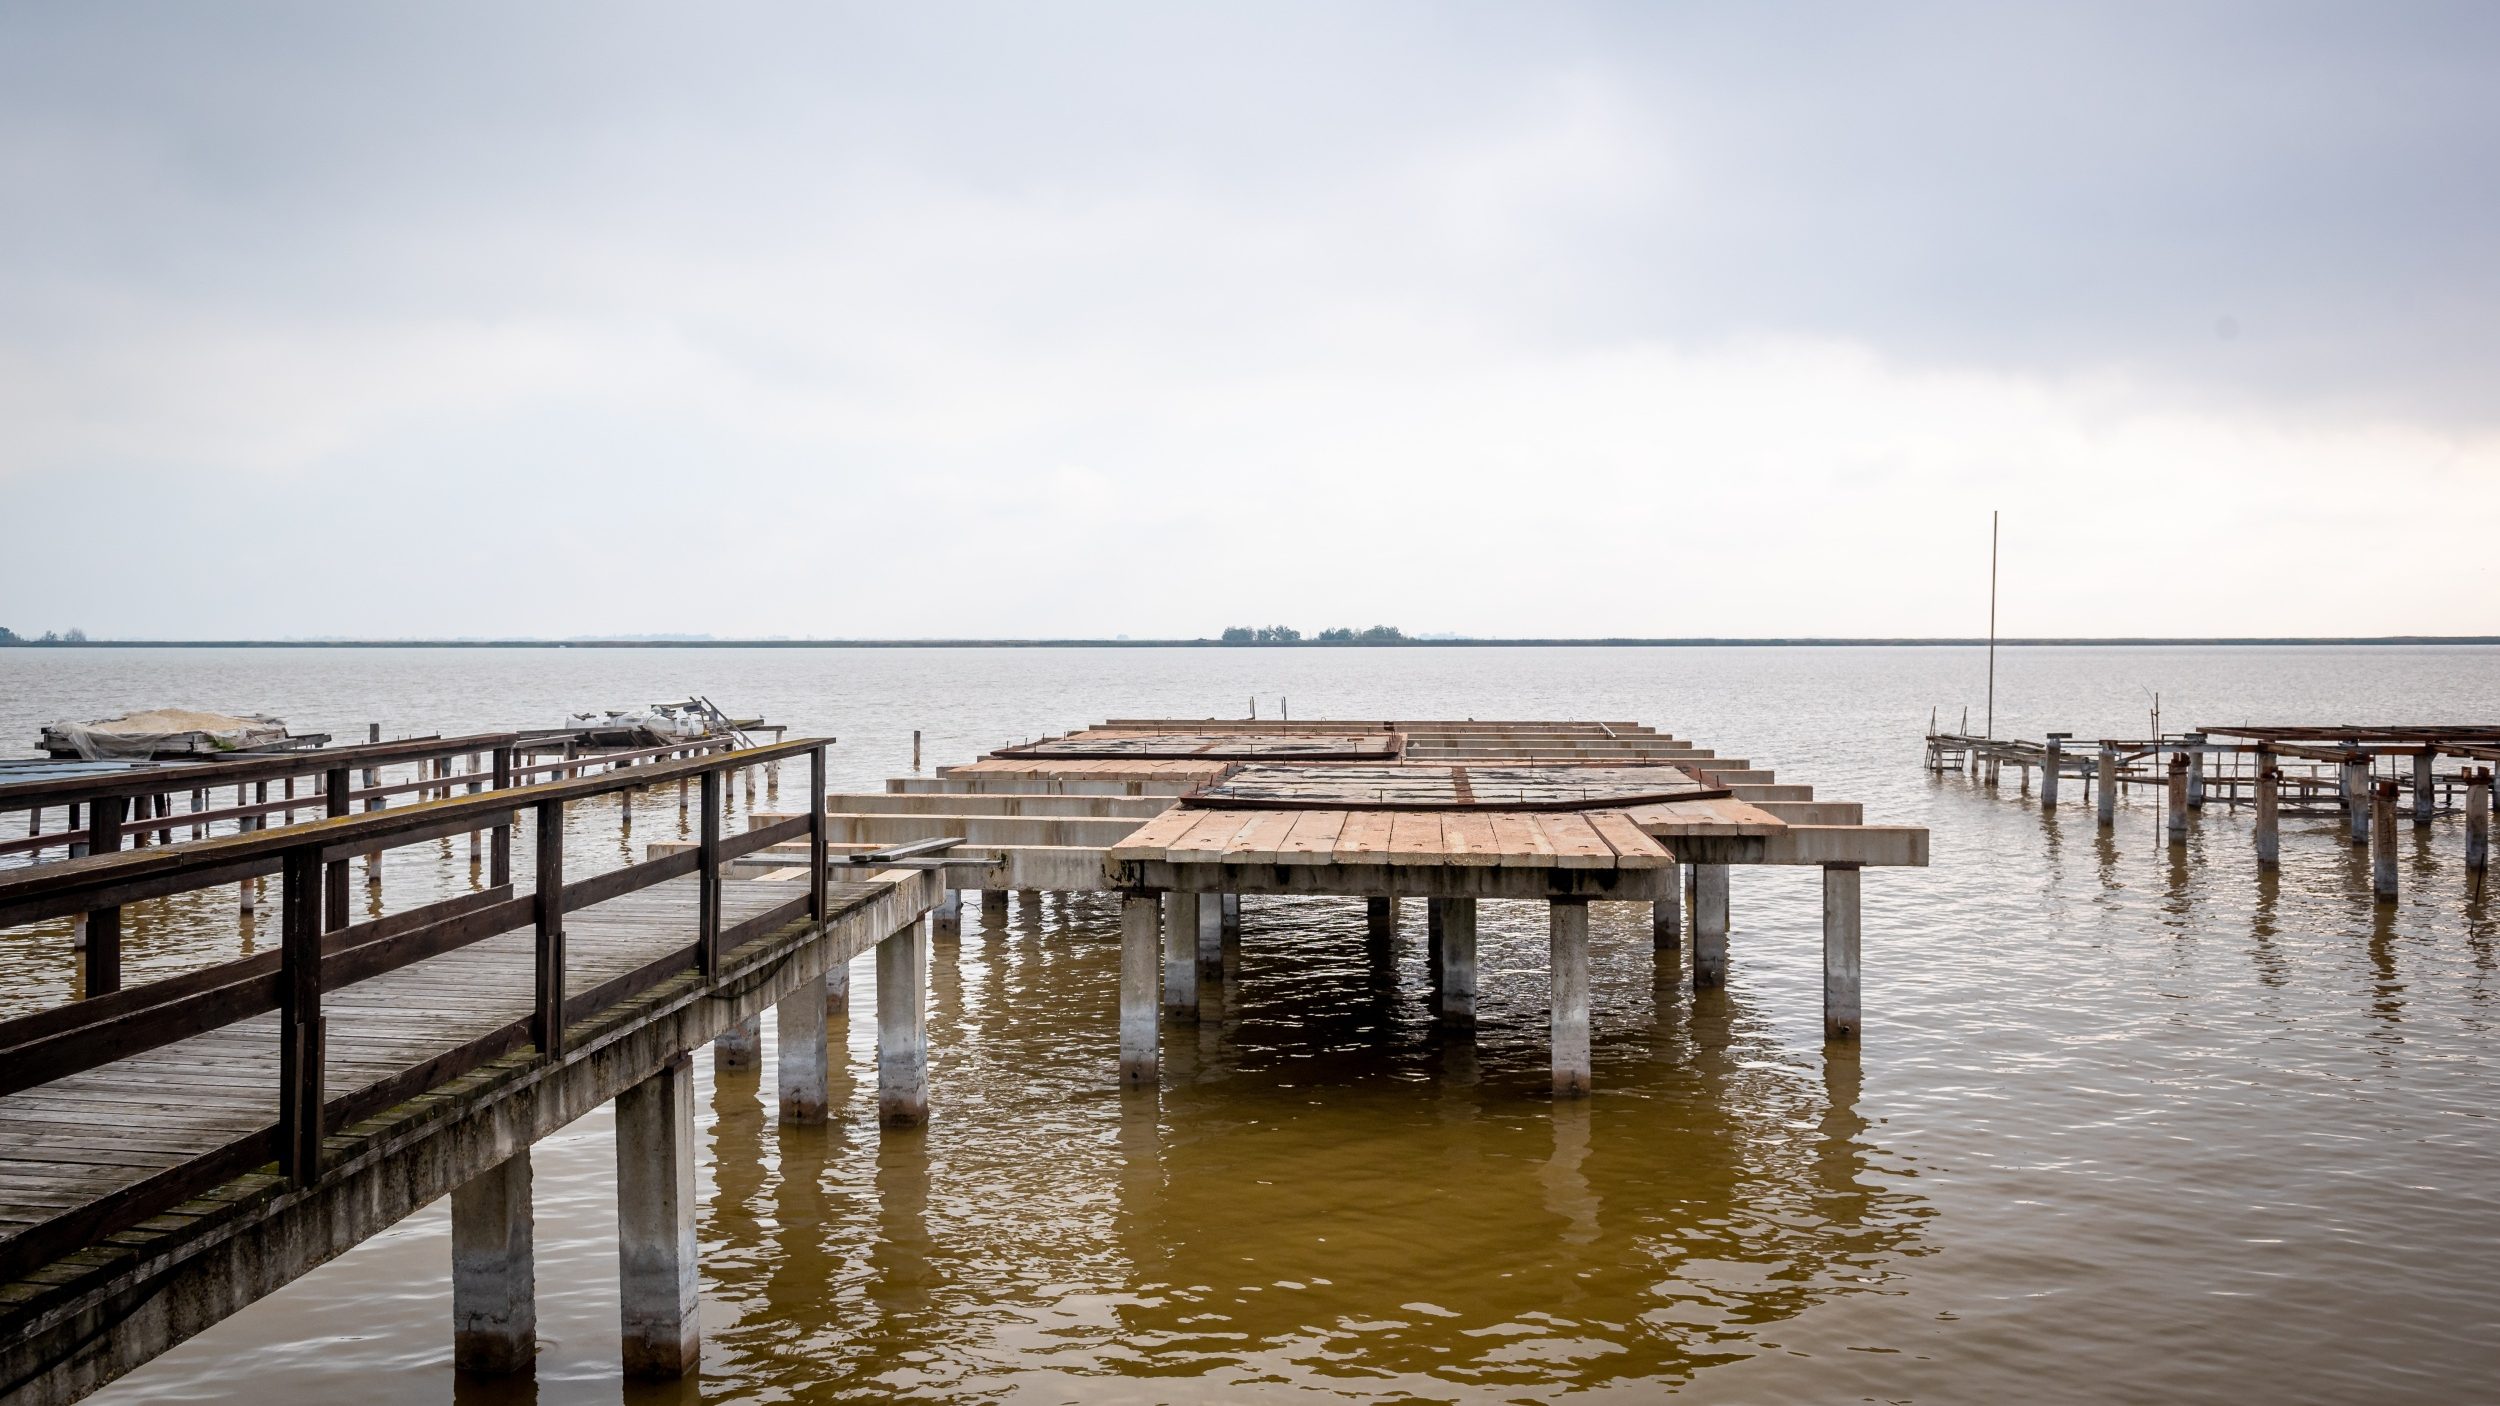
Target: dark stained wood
{"x": 547, "y": 1017}
{"x": 1540, "y": 786}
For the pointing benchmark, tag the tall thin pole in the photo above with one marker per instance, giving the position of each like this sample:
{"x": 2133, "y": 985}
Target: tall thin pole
{"x": 1992, "y": 622}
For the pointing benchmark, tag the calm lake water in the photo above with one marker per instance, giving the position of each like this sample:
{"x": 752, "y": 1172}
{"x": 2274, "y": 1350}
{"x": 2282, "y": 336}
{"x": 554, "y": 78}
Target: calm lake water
{"x": 2121, "y": 1129}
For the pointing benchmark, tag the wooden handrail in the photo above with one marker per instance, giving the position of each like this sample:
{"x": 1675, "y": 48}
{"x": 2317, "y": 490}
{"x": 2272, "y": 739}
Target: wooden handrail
{"x": 187, "y": 776}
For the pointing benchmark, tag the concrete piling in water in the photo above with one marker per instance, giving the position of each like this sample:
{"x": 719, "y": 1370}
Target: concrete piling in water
{"x": 802, "y": 1058}
{"x": 948, "y": 916}
{"x": 2356, "y": 790}
{"x": 1666, "y": 915}
{"x": 2478, "y": 822}
{"x": 741, "y": 1046}
{"x": 1381, "y": 918}
{"x": 2425, "y": 798}
{"x": 1141, "y": 932}
{"x": 1569, "y": 1001}
{"x": 2108, "y": 778}
{"x": 1840, "y": 951}
{"x": 903, "y": 1028}
{"x": 1180, "y": 954}
{"x": 494, "y": 1293}
{"x": 2050, "y": 766}
{"x": 655, "y": 1214}
{"x": 2383, "y": 840}
{"x": 2269, "y": 838}
{"x": 994, "y": 909}
{"x": 2196, "y": 772}
{"x": 1709, "y": 926}
{"x": 1457, "y": 1004}
{"x": 2178, "y": 798}
{"x": 1232, "y": 915}
{"x": 1210, "y": 939}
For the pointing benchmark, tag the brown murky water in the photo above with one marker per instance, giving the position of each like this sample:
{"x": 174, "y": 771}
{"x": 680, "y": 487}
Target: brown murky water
{"x": 2122, "y": 1128}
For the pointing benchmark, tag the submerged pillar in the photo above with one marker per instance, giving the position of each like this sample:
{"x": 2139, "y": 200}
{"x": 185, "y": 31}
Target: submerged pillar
{"x": 1458, "y": 962}
{"x": 1211, "y": 938}
{"x": 2196, "y": 772}
{"x": 1141, "y": 923}
{"x": 1180, "y": 954}
{"x": 2269, "y": 811}
{"x": 2478, "y": 821}
{"x": 948, "y": 916}
{"x": 2177, "y": 803}
{"x": 1232, "y": 915}
{"x": 1570, "y": 998}
{"x": 994, "y": 909}
{"x": 1666, "y": 915}
{"x": 1840, "y": 951}
{"x": 903, "y": 1028}
{"x": 2050, "y": 766}
{"x": 2108, "y": 799}
{"x": 741, "y": 1046}
{"x": 803, "y": 1058}
{"x": 655, "y": 1246}
{"x": 1709, "y": 926}
{"x": 2425, "y": 801}
{"x": 2356, "y": 779}
{"x": 2383, "y": 840}
{"x": 494, "y": 1291}
{"x": 1381, "y": 915}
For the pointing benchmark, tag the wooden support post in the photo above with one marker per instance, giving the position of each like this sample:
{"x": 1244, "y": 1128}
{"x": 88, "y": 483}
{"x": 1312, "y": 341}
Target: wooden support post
{"x": 500, "y": 869}
{"x": 1569, "y": 1005}
{"x": 802, "y": 1059}
{"x": 1180, "y": 954}
{"x": 2478, "y": 822}
{"x": 103, "y": 953}
{"x": 2178, "y": 798}
{"x": 2108, "y": 777}
{"x": 2425, "y": 800}
{"x": 1709, "y": 925}
{"x": 299, "y": 1018}
{"x": 494, "y": 1289}
{"x": 2051, "y": 765}
{"x": 1141, "y": 924}
{"x": 2269, "y": 839}
{"x": 2383, "y": 840}
{"x": 334, "y": 803}
{"x": 1666, "y": 915}
{"x": 1458, "y": 962}
{"x": 739, "y": 1047}
{"x": 903, "y": 1027}
{"x": 708, "y": 879}
{"x": 655, "y": 1221}
{"x": 819, "y": 860}
{"x": 2196, "y": 772}
{"x": 547, "y": 1018}
{"x": 1840, "y": 951}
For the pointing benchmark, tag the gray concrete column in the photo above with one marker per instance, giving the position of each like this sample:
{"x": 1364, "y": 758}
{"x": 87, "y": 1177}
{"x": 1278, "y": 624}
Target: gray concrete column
{"x": 1570, "y": 997}
{"x": 2425, "y": 795}
{"x": 1211, "y": 938}
{"x": 2383, "y": 840}
{"x": 2108, "y": 778}
{"x": 1666, "y": 915}
{"x": 741, "y": 1046}
{"x": 1141, "y": 932}
{"x": 838, "y": 994}
{"x": 2050, "y": 767}
{"x": 2478, "y": 821}
{"x": 2269, "y": 811}
{"x": 1232, "y": 915}
{"x": 1180, "y": 954}
{"x": 655, "y": 1247}
{"x": 1458, "y": 962}
{"x": 1709, "y": 925}
{"x": 1382, "y": 915}
{"x": 994, "y": 909}
{"x": 1840, "y": 951}
{"x": 2177, "y": 798}
{"x": 802, "y": 1059}
{"x": 949, "y": 914}
{"x": 2356, "y": 787}
{"x": 2196, "y": 773}
{"x": 903, "y": 1028}
{"x": 494, "y": 1291}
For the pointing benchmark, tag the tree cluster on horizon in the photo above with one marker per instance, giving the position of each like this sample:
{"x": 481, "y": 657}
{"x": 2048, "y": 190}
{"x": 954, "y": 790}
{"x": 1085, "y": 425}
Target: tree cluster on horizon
{"x": 1335, "y": 634}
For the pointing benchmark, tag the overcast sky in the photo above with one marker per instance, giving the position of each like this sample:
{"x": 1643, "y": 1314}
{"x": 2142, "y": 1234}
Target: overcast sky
{"x": 1535, "y": 319}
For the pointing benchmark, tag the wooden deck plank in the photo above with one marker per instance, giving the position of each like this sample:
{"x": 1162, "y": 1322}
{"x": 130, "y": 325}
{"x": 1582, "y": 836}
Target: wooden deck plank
{"x": 1415, "y": 838}
{"x": 1209, "y": 832}
{"x": 1364, "y": 839}
{"x": 1313, "y": 838}
{"x": 1260, "y": 838}
{"x": 1575, "y": 843}
{"x": 1633, "y": 849}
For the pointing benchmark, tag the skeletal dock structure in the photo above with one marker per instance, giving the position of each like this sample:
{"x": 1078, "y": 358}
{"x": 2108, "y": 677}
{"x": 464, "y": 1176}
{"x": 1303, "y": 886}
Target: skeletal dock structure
{"x": 2373, "y": 777}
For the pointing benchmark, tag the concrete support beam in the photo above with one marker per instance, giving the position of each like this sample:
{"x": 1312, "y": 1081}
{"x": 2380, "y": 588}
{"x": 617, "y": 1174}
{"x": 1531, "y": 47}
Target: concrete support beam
{"x": 1458, "y": 962}
{"x": 494, "y": 1290}
{"x": 1141, "y": 931}
{"x": 655, "y": 1246}
{"x": 1569, "y": 1016}
{"x": 739, "y": 1047}
{"x": 1709, "y": 926}
{"x": 1180, "y": 954}
{"x": 903, "y": 1028}
{"x": 802, "y": 1060}
{"x": 1840, "y": 951}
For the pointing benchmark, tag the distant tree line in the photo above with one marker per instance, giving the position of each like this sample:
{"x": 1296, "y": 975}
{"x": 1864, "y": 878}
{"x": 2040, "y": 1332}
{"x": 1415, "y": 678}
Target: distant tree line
{"x": 1335, "y": 634}
{"x": 71, "y": 636}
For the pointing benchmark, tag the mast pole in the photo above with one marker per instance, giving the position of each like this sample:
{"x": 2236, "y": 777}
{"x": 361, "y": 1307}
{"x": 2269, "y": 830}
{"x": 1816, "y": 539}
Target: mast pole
{"x": 1992, "y": 622}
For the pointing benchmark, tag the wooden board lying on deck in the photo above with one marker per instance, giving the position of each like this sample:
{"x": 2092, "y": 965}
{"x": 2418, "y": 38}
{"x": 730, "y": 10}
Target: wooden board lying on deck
{"x": 1101, "y": 744}
{"x": 1600, "y": 839}
{"x": 1554, "y": 787}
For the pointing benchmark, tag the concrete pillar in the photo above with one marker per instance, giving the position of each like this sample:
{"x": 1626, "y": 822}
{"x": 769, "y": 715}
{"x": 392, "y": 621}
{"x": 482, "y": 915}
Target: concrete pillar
{"x": 2356, "y": 786}
{"x": 903, "y": 1028}
{"x": 1180, "y": 954}
{"x": 2177, "y": 798}
{"x": 1458, "y": 962}
{"x": 1666, "y": 915}
{"x": 2269, "y": 811}
{"x": 1382, "y": 916}
{"x": 2383, "y": 840}
{"x": 2049, "y": 769}
{"x": 2108, "y": 778}
{"x": 2196, "y": 772}
{"x": 1709, "y": 925}
{"x": 949, "y": 914}
{"x": 1570, "y": 997}
{"x": 741, "y": 1046}
{"x": 1232, "y": 915}
{"x": 1432, "y": 940}
{"x": 994, "y": 909}
{"x": 2425, "y": 800}
{"x": 803, "y": 1060}
{"x": 1141, "y": 924}
{"x": 1840, "y": 951}
{"x": 1029, "y": 902}
{"x": 655, "y": 1248}
{"x": 2478, "y": 821}
{"x": 494, "y": 1291}
{"x": 1210, "y": 940}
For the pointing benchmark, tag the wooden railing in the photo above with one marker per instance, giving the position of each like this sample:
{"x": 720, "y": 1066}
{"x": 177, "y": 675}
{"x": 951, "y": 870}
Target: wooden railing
{"x": 321, "y": 951}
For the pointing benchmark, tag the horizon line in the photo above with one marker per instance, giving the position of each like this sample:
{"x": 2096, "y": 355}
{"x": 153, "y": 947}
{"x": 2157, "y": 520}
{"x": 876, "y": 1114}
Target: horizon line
{"x": 1608, "y": 642}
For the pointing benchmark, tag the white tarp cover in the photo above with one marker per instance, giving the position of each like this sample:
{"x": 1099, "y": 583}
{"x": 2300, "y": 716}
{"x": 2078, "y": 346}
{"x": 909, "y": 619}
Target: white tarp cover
{"x": 161, "y": 730}
{"x": 658, "y": 723}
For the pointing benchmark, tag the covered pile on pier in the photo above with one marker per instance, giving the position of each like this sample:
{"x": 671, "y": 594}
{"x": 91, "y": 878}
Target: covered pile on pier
{"x": 166, "y": 733}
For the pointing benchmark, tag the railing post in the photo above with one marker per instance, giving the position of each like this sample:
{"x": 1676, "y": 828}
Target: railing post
{"x": 299, "y": 1014}
{"x": 501, "y": 872}
{"x": 104, "y": 925}
{"x": 335, "y": 803}
{"x": 817, "y": 906}
{"x": 707, "y": 878}
{"x": 547, "y": 1024}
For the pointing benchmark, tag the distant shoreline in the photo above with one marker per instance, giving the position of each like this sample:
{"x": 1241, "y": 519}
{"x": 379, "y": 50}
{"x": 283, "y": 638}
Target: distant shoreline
{"x": 1799, "y": 642}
